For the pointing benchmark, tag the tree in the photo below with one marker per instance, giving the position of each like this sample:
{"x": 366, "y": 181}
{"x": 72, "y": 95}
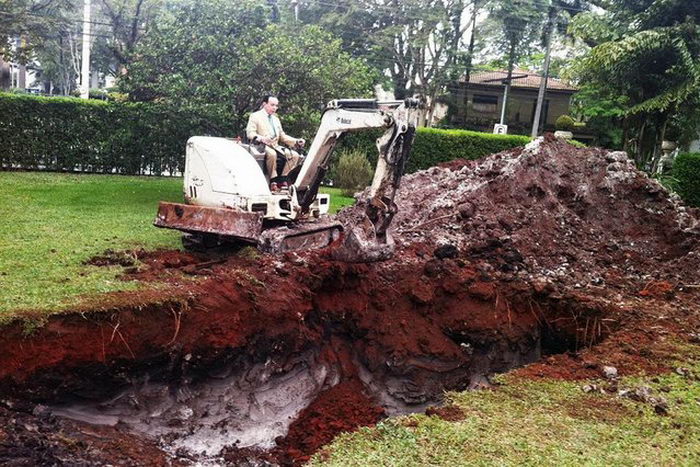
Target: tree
{"x": 60, "y": 58}
{"x": 126, "y": 21}
{"x": 30, "y": 21}
{"x": 650, "y": 53}
{"x": 216, "y": 58}
{"x": 520, "y": 22}
{"x": 416, "y": 43}
{"x": 557, "y": 18}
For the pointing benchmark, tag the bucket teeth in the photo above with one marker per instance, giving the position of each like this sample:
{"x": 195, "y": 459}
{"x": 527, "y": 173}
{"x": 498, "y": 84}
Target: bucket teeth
{"x": 358, "y": 248}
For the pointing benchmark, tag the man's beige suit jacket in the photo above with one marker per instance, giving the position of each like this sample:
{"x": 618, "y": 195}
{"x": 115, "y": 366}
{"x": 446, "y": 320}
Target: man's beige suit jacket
{"x": 259, "y": 126}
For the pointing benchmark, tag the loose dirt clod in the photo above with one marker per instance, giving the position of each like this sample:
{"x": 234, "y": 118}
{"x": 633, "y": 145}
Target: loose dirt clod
{"x": 570, "y": 258}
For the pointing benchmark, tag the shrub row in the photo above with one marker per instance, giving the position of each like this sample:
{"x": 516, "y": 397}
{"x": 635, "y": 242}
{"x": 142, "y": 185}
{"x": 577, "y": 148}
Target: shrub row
{"x": 433, "y": 146}
{"x": 67, "y": 134}
{"x": 686, "y": 170}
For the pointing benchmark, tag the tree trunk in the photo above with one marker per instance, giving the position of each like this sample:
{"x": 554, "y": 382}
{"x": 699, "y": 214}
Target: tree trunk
{"x": 5, "y": 75}
{"x": 399, "y": 88}
{"x": 22, "y": 76}
{"x": 639, "y": 156}
{"x": 660, "y": 136}
{"x": 625, "y": 134}
{"x": 22, "y": 65}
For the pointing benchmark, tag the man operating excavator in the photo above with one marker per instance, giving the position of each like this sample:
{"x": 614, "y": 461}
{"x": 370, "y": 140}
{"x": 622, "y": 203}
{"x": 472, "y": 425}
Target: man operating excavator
{"x": 265, "y": 131}
{"x": 229, "y": 198}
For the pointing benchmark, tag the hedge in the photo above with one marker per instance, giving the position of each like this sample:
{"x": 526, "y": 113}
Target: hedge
{"x": 70, "y": 134}
{"x": 686, "y": 169}
{"x": 433, "y": 146}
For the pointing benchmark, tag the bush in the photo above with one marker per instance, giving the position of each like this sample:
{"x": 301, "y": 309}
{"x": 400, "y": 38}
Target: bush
{"x": 433, "y": 146}
{"x": 686, "y": 170}
{"x": 69, "y": 134}
{"x": 565, "y": 123}
{"x": 353, "y": 172}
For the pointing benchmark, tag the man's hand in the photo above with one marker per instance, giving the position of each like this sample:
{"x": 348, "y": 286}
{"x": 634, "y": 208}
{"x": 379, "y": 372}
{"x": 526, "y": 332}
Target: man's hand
{"x": 265, "y": 140}
{"x": 301, "y": 142}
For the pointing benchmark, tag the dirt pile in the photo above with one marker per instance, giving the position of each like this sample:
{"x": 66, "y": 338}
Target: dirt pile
{"x": 548, "y": 251}
{"x": 551, "y": 213}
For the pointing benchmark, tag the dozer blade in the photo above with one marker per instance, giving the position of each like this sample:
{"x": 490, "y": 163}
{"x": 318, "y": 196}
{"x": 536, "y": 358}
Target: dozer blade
{"x": 245, "y": 226}
{"x": 306, "y": 235}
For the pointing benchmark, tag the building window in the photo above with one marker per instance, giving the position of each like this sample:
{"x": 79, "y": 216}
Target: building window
{"x": 485, "y": 103}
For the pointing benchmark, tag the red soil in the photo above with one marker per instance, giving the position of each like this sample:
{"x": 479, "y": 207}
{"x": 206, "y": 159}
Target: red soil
{"x": 342, "y": 408}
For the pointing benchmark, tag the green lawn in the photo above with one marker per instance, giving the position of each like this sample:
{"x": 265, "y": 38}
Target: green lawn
{"x": 54, "y": 222}
{"x": 540, "y": 423}
{"x": 338, "y": 200}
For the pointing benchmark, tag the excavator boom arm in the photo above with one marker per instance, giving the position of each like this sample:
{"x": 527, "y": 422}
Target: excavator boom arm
{"x": 369, "y": 239}
{"x": 350, "y": 115}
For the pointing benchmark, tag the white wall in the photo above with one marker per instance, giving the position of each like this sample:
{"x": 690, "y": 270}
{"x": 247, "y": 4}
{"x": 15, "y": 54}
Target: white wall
{"x": 695, "y": 146}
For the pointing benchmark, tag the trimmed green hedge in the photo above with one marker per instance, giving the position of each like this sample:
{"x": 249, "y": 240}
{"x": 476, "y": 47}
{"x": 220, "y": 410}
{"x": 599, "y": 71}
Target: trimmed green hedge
{"x": 67, "y": 134}
{"x": 433, "y": 146}
{"x": 686, "y": 169}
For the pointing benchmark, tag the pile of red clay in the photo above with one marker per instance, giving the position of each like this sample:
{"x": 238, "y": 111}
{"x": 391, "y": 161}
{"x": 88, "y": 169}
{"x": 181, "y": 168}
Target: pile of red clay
{"x": 567, "y": 257}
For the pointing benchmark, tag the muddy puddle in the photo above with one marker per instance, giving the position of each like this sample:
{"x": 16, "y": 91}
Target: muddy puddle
{"x": 223, "y": 407}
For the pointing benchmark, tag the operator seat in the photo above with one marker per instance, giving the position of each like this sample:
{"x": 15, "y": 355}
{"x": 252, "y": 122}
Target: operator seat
{"x": 259, "y": 157}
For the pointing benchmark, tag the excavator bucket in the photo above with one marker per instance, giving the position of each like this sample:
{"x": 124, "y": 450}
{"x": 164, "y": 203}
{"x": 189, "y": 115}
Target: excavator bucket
{"x": 357, "y": 247}
{"x": 369, "y": 240}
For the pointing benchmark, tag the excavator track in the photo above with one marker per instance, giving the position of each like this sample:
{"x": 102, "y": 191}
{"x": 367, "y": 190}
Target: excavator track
{"x": 303, "y": 235}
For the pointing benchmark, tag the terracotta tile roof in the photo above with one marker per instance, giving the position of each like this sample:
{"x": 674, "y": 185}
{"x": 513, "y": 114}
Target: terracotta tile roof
{"x": 531, "y": 80}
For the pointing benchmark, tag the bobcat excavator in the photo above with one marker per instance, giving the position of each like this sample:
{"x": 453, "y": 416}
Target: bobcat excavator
{"x": 227, "y": 195}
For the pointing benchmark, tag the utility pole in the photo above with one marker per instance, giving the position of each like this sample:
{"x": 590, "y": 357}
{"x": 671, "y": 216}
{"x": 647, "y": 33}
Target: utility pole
{"x": 22, "y": 63}
{"x": 470, "y": 55}
{"x": 295, "y": 4}
{"x": 85, "y": 69}
{"x": 506, "y": 82}
{"x": 545, "y": 75}
{"x": 275, "y": 13}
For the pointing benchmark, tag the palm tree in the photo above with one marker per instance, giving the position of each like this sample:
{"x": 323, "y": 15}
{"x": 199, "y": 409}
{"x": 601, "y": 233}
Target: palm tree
{"x": 655, "y": 63}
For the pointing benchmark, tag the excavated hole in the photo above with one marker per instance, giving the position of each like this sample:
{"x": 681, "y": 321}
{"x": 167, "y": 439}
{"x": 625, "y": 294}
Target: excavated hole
{"x": 201, "y": 407}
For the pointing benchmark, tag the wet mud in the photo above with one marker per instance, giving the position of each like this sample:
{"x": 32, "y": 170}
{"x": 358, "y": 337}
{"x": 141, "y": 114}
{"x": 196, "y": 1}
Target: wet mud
{"x": 554, "y": 260}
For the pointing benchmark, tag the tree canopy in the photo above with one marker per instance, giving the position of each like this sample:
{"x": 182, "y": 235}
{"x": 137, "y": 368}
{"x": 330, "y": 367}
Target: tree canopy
{"x": 216, "y": 58}
{"x": 649, "y": 52}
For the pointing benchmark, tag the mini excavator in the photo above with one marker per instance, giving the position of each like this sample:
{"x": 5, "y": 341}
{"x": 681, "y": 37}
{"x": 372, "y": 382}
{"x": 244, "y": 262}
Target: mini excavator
{"x": 227, "y": 195}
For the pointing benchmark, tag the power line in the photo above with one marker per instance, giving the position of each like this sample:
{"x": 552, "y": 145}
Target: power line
{"x": 387, "y": 59}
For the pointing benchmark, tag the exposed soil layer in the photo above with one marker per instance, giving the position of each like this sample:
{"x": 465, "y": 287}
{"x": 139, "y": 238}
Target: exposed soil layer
{"x": 549, "y": 251}
{"x": 342, "y": 408}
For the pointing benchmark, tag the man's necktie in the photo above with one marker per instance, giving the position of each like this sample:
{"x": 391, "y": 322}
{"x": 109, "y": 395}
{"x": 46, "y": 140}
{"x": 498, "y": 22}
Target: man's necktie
{"x": 272, "y": 125}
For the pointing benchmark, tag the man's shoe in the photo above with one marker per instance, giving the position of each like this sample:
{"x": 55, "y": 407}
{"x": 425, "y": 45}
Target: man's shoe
{"x": 274, "y": 187}
{"x": 284, "y": 186}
